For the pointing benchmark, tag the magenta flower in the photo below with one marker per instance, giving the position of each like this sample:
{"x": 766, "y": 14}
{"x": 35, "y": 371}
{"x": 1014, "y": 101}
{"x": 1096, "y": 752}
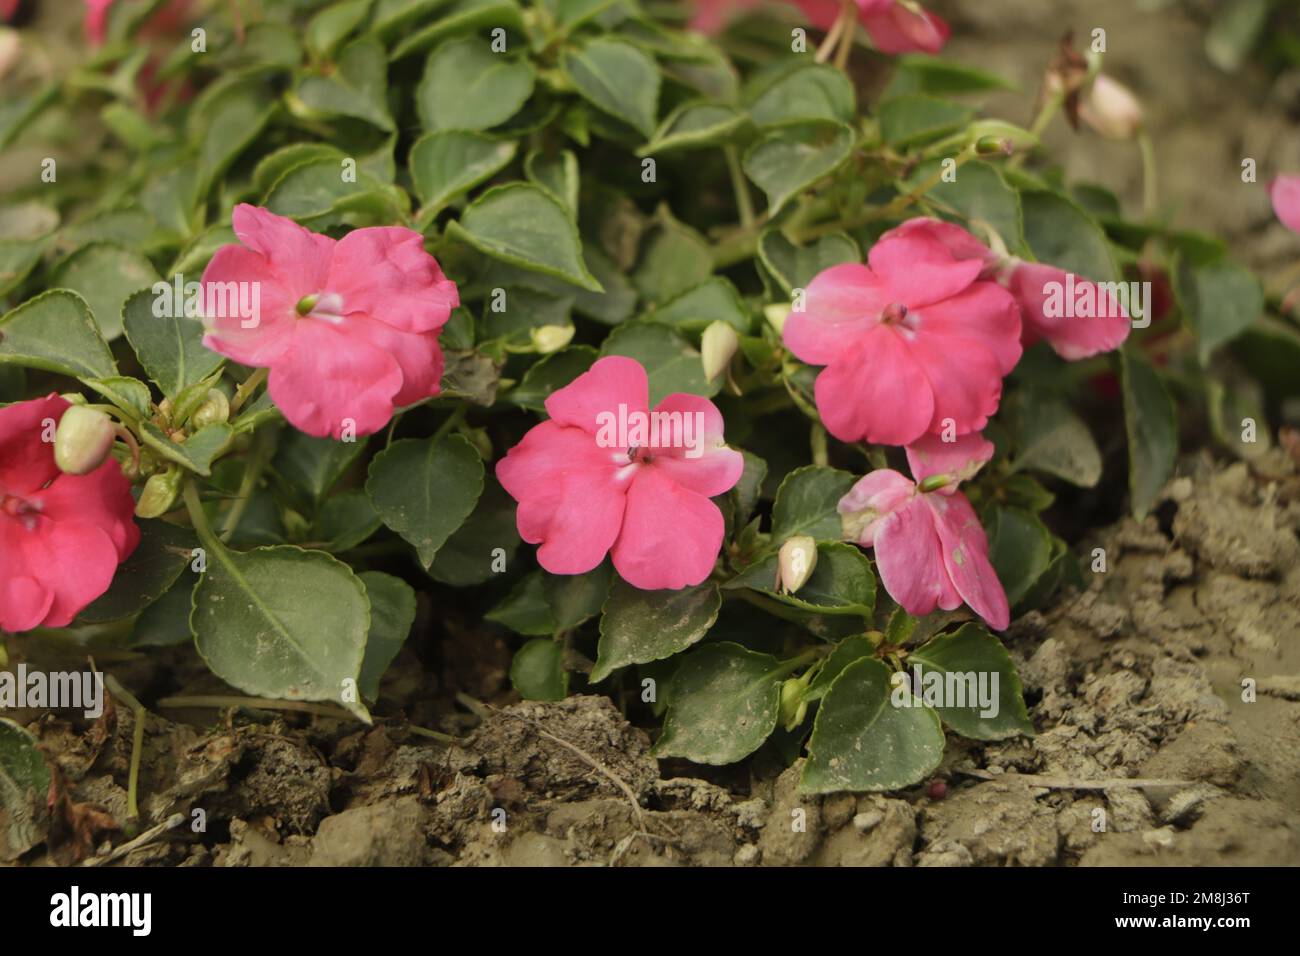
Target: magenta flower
{"x": 348, "y": 328}
{"x": 931, "y": 550}
{"x": 1284, "y": 191}
{"x": 61, "y": 536}
{"x": 1046, "y": 295}
{"x": 895, "y": 26}
{"x": 607, "y": 475}
{"x": 913, "y": 342}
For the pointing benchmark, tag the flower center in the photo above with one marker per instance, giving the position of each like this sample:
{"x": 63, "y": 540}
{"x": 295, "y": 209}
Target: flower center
{"x": 894, "y": 314}
{"x": 321, "y": 305}
{"x": 307, "y": 303}
{"x": 641, "y": 455}
{"x": 25, "y": 511}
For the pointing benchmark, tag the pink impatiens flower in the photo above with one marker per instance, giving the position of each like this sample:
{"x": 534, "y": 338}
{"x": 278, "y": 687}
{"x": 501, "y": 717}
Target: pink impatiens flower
{"x": 1284, "y": 191}
{"x": 913, "y": 342}
{"x": 61, "y": 536}
{"x": 931, "y": 550}
{"x": 1040, "y": 291}
{"x": 349, "y": 328}
{"x": 608, "y": 475}
{"x": 895, "y": 26}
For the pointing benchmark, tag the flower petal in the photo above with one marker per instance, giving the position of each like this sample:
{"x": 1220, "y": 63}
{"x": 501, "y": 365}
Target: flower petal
{"x": 671, "y": 535}
{"x": 870, "y": 501}
{"x": 909, "y": 560}
{"x": 100, "y": 499}
{"x": 842, "y": 304}
{"x": 960, "y": 243}
{"x": 384, "y": 272}
{"x": 962, "y": 458}
{"x": 257, "y": 341}
{"x": 966, "y": 558}
{"x": 418, "y": 354}
{"x": 1072, "y": 337}
{"x": 1284, "y": 191}
{"x": 985, "y": 315}
{"x": 901, "y": 30}
{"x": 298, "y": 257}
{"x": 707, "y": 465}
{"x": 26, "y": 458}
{"x": 876, "y": 392}
{"x": 918, "y": 269}
{"x": 74, "y": 563}
{"x": 610, "y": 382}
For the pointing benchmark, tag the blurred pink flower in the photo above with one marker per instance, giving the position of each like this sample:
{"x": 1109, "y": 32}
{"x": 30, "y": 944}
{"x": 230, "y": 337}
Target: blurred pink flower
{"x": 1284, "y": 191}
{"x": 931, "y": 550}
{"x": 61, "y": 536}
{"x": 584, "y": 493}
{"x": 909, "y": 341}
{"x": 1033, "y": 285}
{"x": 895, "y": 26}
{"x": 349, "y": 328}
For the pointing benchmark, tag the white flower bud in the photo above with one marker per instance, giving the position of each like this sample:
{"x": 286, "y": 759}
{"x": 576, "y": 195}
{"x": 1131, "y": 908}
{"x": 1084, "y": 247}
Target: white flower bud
{"x": 551, "y": 338}
{"x": 717, "y": 346}
{"x": 1111, "y": 109}
{"x": 82, "y": 440}
{"x": 797, "y": 559}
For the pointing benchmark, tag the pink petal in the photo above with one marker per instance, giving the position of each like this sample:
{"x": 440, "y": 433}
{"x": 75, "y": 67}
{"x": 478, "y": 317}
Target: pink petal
{"x": 1072, "y": 338}
{"x": 984, "y": 316}
{"x": 270, "y": 332}
{"x": 24, "y": 600}
{"x": 1284, "y": 191}
{"x": 101, "y": 499}
{"x": 966, "y": 558}
{"x": 962, "y": 458}
{"x": 960, "y": 243}
{"x": 26, "y": 460}
{"x": 820, "y": 13}
{"x": 671, "y": 535}
{"x": 327, "y": 377}
{"x": 73, "y": 563}
{"x": 841, "y": 305}
{"x": 716, "y": 468}
{"x": 909, "y": 561}
{"x": 298, "y": 257}
{"x": 571, "y": 495}
{"x": 610, "y": 382}
{"x": 919, "y": 270}
{"x": 901, "y": 30}
{"x": 385, "y": 273}
{"x": 418, "y": 354}
{"x": 871, "y": 500}
{"x": 966, "y": 380}
{"x": 876, "y": 392}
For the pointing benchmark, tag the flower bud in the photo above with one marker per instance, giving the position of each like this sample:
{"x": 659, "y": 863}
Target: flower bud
{"x": 1111, "y": 109}
{"x": 159, "y": 494}
{"x": 796, "y": 561}
{"x": 793, "y": 706}
{"x": 213, "y": 411}
{"x": 82, "y": 440}
{"x": 935, "y": 482}
{"x": 776, "y": 315}
{"x": 551, "y": 338}
{"x": 717, "y": 346}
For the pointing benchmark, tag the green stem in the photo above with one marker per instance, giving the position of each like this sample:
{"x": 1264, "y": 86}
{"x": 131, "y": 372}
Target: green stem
{"x": 1039, "y": 124}
{"x": 221, "y": 702}
{"x": 454, "y": 419}
{"x": 247, "y": 389}
{"x": 252, "y": 474}
{"x": 849, "y": 15}
{"x": 137, "y": 744}
{"x": 1150, "y": 173}
{"x": 198, "y": 518}
{"x": 744, "y": 204}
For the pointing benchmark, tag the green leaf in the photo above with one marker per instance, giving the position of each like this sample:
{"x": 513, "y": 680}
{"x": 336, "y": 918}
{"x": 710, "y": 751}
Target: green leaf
{"x": 317, "y": 188}
{"x": 467, "y": 86}
{"x": 163, "y": 553}
{"x": 525, "y": 609}
{"x": 862, "y": 741}
{"x": 313, "y": 466}
{"x": 674, "y": 259}
{"x": 671, "y": 363}
{"x": 851, "y": 649}
{"x": 524, "y": 226}
{"x": 537, "y": 670}
{"x": 912, "y": 118}
{"x": 806, "y": 504}
{"x": 810, "y": 92}
{"x": 638, "y": 626}
{"x": 793, "y": 267}
{"x": 356, "y": 87}
{"x": 392, "y": 612}
{"x": 789, "y": 160}
{"x": 1020, "y": 550}
{"x": 346, "y": 520}
{"x": 463, "y": 17}
{"x": 24, "y": 787}
{"x": 918, "y": 73}
{"x": 1060, "y": 233}
{"x": 713, "y": 300}
{"x": 723, "y": 702}
{"x": 1234, "y": 32}
{"x": 969, "y": 654}
{"x": 557, "y": 173}
{"x": 170, "y": 347}
{"x": 224, "y": 122}
{"x": 425, "y": 489}
{"x": 328, "y": 28}
{"x": 978, "y": 194}
{"x": 1151, "y": 423}
{"x": 577, "y": 598}
{"x": 552, "y": 372}
{"x": 694, "y": 126}
{"x": 55, "y": 332}
{"x": 166, "y": 622}
{"x": 617, "y": 78}
{"x": 471, "y": 554}
{"x": 274, "y": 165}
{"x": 282, "y": 622}
{"x": 129, "y": 394}
{"x": 842, "y": 582}
{"x": 104, "y": 275}
{"x": 1049, "y": 437}
{"x": 1220, "y": 301}
{"x": 197, "y": 452}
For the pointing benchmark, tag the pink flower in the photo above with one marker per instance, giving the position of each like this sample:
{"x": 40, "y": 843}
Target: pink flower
{"x": 712, "y": 16}
{"x": 607, "y": 476}
{"x": 348, "y": 328}
{"x": 895, "y": 26}
{"x": 909, "y": 341}
{"x": 931, "y": 550}
{"x": 1043, "y": 292}
{"x": 61, "y": 536}
{"x": 96, "y": 20}
{"x": 1284, "y": 191}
